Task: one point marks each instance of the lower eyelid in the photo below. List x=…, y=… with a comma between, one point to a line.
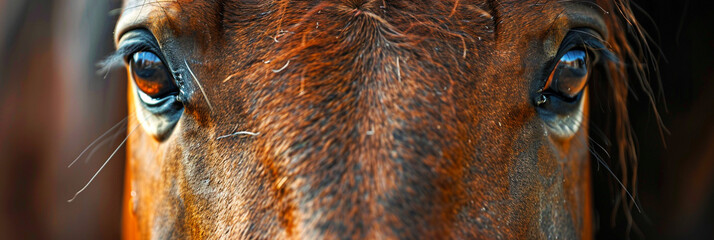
x=147, y=99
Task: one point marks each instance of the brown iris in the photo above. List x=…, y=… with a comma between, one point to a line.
x=570, y=75
x=151, y=75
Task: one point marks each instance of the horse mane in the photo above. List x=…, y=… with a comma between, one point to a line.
x=629, y=74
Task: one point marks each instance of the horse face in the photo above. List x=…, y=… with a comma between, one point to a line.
x=365, y=119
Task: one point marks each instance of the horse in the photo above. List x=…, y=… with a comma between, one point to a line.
x=376, y=119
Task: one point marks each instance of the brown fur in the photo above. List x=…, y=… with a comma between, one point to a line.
x=376, y=119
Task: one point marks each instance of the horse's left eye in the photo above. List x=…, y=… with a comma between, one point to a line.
x=156, y=95
x=151, y=75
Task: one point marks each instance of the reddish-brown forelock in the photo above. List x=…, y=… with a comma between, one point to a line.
x=361, y=118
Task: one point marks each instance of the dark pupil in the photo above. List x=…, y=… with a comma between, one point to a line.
x=570, y=74
x=150, y=75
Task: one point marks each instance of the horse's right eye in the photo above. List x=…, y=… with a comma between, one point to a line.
x=570, y=75
x=561, y=99
x=151, y=75
x=566, y=83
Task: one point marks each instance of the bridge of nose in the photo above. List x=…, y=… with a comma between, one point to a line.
x=352, y=117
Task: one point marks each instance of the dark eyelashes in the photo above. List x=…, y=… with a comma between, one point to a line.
x=131, y=42
x=588, y=41
x=603, y=52
x=118, y=58
x=585, y=40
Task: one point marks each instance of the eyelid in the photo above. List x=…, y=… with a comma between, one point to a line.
x=579, y=39
x=128, y=49
x=132, y=41
x=589, y=41
x=585, y=14
x=139, y=40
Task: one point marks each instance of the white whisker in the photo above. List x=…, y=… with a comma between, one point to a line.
x=199, y=85
x=238, y=133
x=104, y=164
x=282, y=68
x=399, y=73
x=96, y=140
x=602, y=162
x=104, y=142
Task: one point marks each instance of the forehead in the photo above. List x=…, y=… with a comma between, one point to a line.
x=170, y=17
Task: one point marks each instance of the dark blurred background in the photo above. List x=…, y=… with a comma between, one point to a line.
x=676, y=178
x=53, y=104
